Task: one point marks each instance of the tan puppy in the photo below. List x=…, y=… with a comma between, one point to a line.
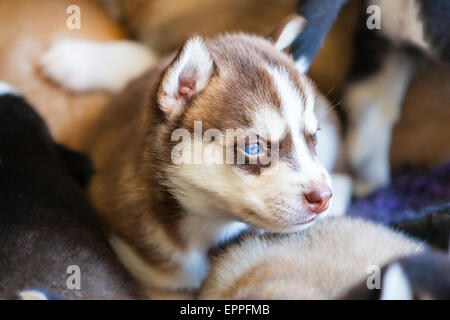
x=322, y=262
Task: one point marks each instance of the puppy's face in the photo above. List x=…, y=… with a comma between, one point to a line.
x=246, y=131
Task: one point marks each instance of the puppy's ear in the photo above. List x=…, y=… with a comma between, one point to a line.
x=187, y=75
x=285, y=34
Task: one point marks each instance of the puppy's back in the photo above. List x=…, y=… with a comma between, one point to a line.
x=318, y=263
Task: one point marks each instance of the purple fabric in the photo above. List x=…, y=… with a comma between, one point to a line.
x=412, y=194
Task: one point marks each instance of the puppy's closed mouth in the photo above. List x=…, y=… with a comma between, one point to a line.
x=305, y=222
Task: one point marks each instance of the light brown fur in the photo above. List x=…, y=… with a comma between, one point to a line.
x=319, y=263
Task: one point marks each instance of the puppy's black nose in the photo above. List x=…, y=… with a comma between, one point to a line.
x=318, y=199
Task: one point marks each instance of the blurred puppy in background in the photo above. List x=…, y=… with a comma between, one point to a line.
x=323, y=262
x=388, y=50
x=27, y=28
x=46, y=222
x=163, y=25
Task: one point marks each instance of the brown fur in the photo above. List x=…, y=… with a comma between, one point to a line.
x=165, y=24
x=136, y=188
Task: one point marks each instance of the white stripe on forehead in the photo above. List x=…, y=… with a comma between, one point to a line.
x=298, y=107
x=268, y=121
x=298, y=110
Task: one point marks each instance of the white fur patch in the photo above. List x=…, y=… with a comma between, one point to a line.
x=32, y=295
x=395, y=284
x=289, y=33
x=229, y=231
x=6, y=88
x=267, y=120
x=327, y=145
x=195, y=268
x=81, y=65
x=298, y=110
x=302, y=64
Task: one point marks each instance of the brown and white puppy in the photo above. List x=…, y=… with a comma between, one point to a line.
x=322, y=262
x=163, y=215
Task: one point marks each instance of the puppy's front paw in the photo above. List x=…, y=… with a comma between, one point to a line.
x=71, y=63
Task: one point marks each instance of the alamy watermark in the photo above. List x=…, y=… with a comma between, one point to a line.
x=373, y=277
x=374, y=20
x=73, y=21
x=213, y=146
x=73, y=282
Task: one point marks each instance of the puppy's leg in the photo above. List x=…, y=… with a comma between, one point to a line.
x=80, y=65
x=373, y=106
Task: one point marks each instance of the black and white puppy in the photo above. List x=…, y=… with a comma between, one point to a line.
x=48, y=237
x=424, y=276
x=393, y=38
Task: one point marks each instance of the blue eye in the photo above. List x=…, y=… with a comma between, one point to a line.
x=252, y=149
x=314, y=138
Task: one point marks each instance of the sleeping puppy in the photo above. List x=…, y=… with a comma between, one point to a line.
x=48, y=234
x=322, y=262
x=386, y=59
x=216, y=139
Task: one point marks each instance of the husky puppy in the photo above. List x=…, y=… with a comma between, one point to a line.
x=49, y=237
x=322, y=262
x=163, y=215
x=393, y=37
